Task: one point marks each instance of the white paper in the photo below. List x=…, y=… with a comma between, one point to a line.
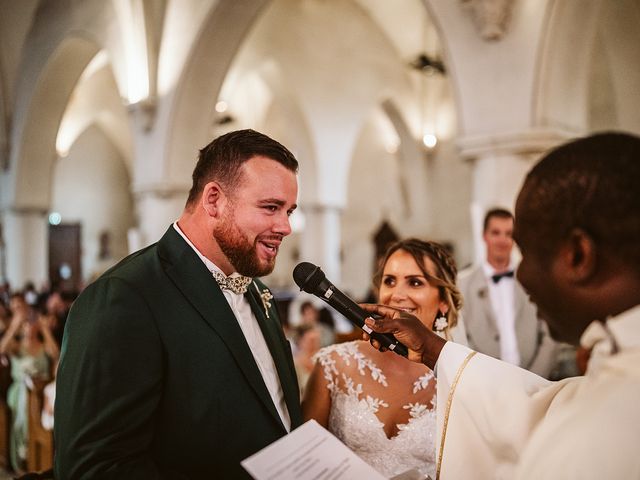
x=308, y=453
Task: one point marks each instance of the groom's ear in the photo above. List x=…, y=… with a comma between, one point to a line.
x=213, y=200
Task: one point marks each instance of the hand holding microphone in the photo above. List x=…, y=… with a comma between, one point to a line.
x=424, y=345
x=312, y=279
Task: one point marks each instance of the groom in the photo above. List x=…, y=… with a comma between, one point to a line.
x=174, y=364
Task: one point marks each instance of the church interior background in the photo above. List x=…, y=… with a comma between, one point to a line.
x=407, y=116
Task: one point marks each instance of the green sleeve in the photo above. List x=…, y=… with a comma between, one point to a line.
x=109, y=386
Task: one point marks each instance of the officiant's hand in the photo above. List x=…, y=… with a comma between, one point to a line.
x=424, y=345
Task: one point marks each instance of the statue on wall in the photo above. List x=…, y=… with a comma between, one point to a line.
x=491, y=17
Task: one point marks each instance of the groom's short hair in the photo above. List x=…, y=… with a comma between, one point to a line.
x=221, y=159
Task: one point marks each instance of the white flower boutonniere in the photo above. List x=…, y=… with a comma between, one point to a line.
x=266, y=298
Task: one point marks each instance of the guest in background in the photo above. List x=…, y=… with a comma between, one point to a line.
x=307, y=341
x=30, y=294
x=499, y=318
x=5, y=317
x=49, y=400
x=321, y=319
x=5, y=292
x=57, y=306
x=31, y=348
x=381, y=406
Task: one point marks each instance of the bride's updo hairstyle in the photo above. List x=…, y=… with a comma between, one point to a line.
x=445, y=274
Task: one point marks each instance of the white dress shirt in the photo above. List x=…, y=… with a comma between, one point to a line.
x=502, y=299
x=252, y=333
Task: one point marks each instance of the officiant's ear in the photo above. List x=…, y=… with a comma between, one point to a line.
x=578, y=256
x=213, y=199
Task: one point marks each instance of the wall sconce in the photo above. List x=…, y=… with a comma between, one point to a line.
x=428, y=65
x=429, y=140
x=429, y=144
x=223, y=118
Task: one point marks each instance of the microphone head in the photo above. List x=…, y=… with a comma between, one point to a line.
x=308, y=276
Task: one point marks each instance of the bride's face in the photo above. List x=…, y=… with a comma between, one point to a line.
x=404, y=286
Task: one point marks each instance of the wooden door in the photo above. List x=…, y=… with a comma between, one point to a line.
x=64, y=257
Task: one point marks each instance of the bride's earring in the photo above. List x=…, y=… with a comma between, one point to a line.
x=440, y=323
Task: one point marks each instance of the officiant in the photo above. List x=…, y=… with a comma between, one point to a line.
x=577, y=226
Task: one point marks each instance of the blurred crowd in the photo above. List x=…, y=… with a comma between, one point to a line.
x=31, y=330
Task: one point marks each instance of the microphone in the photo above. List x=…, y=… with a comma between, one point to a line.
x=312, y=279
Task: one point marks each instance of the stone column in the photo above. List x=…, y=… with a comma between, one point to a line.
x=26, y=237
x=320, y=239
x=500, y=164
x=157, y=207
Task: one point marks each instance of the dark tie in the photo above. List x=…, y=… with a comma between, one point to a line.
x=237, y=284
x=499, y=276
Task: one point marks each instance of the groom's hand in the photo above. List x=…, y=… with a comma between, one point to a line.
x=424, y=345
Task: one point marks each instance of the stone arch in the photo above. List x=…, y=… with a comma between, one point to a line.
x=567, y=60
x=91, y=185
x=38, y=115
x=412, y=164
x=563, y=66
x=621, y=38
x=302, y=141
x=203, y=75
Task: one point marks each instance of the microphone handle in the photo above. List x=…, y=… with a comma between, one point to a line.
x=357, y=315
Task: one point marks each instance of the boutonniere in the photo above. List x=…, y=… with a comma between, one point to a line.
x=266, y=298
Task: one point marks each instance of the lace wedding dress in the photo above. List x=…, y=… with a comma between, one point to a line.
x=359, y=390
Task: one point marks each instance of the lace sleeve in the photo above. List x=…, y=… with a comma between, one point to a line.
x=326, y=357
x=343, y=360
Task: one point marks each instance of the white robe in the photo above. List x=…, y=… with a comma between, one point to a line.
x=507, y=423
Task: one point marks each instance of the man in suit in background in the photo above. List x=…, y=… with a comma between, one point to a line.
x=174, y=363
x=499, y=319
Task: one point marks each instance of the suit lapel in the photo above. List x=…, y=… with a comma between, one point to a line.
x=482, y=290
x=271, y=330
x=196, y=283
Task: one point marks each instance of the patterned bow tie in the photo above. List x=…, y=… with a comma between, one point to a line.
x=499, y=276
x=237, y=284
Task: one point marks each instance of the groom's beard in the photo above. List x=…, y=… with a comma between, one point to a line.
x=240, y=251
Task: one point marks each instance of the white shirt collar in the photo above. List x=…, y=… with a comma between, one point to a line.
x=489, y=271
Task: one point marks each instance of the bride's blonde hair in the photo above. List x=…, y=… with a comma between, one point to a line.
x=445, y=273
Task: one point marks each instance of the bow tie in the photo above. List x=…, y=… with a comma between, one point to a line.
x=237, y=284
x=499, y=276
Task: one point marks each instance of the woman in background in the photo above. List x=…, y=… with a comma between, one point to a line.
x=32, y=350
x=380, y=405
x=307, y=342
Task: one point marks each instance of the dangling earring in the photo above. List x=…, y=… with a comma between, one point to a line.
x=440, y=323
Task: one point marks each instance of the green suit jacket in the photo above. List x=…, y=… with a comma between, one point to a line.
x=156, y=379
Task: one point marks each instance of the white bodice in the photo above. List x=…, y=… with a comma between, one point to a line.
x=355, y=403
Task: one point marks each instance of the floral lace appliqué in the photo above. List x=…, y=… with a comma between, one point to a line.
x=423, y=382
x=353, y=416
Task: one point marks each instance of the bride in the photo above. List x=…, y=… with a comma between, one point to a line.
x=380, y=405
